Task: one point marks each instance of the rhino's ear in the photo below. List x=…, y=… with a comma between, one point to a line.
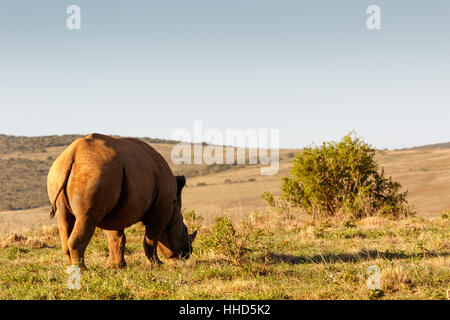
x=181, y=182
x=192, y=236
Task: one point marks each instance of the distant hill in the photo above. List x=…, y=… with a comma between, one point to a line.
x=432, y=146
x=11, y=144
x=24, y=163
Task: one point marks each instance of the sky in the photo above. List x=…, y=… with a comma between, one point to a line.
x=311, y=69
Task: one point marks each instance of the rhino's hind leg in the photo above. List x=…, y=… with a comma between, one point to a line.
x=66, y=222
x=79, y=239
x=116, y=244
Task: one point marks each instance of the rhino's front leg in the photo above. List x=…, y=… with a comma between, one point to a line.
x=151, y=244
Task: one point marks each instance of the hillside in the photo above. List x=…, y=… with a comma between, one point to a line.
x=24, y=164
x=26, y=145
x=425, y=173
x=433, y=146
x=25, y=161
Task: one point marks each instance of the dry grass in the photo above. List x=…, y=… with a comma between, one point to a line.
x=425, y=173
x=294, y=258
x=39, y=237
x=24, y=220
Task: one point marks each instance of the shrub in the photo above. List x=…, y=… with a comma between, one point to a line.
x=376, y=294
x=349, y=224
x=192, y=220
x=227, y=242
x=269, y=198
x=342, y=177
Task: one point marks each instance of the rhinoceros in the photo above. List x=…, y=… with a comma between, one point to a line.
x=113, y=183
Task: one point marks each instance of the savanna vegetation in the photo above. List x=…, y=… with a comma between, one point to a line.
x=276, y=253
x=307, y=243
x=343, y=178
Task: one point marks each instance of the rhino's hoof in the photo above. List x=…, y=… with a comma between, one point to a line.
x=117, y=266
x=156, y=262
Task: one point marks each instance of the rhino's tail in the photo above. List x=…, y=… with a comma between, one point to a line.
x=61, y=188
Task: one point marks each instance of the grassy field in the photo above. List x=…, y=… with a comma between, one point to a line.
x=23, y=221
x=274, y=255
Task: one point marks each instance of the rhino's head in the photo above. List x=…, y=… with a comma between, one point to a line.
x=176, y=242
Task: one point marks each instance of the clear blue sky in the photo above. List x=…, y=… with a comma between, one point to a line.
x=309, y=68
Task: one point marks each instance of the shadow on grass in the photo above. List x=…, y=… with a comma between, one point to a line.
x=362, y=255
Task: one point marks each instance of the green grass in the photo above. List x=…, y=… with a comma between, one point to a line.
x=286, y=259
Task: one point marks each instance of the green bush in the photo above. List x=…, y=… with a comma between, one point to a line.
x=376, y=294
x=192, y=220
x=342, y=177
x=227, y=242
x=269, y=198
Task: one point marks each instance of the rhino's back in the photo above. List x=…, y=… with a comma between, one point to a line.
x=145, y=173
x=115, y=178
